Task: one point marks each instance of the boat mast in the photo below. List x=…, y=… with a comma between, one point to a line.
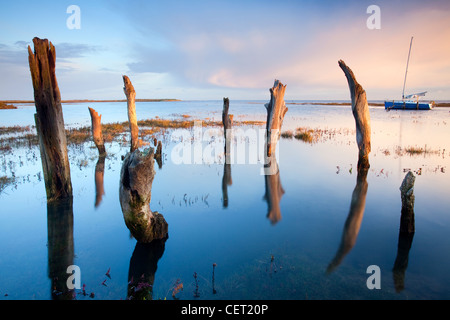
x=407, y=63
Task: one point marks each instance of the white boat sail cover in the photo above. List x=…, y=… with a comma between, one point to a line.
x=416, y=95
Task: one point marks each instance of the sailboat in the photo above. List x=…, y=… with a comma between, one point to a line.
x=409, y=102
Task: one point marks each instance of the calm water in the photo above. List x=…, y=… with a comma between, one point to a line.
x=220, y=215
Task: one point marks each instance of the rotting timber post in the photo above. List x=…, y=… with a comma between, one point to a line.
x=130, y=93
x=360, y=109
x=49, y=120
x=97, y=131
x=136, y=178
x=276, y=109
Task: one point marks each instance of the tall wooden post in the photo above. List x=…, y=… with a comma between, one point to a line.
x=360, y=109
x=49, y=120
x=276, y=109
x=131, y=105
x=97, y=131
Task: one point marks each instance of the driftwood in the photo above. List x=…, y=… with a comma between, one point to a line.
x=60, y=246
x=360, y=109
x=276, y=109
x=354, y=219
x=97, y=131
x=136, y=178
x=274, y=190
x=131, y=106
x=99, y=173
x=406, y=232
x=143, y=265
x=49, y=120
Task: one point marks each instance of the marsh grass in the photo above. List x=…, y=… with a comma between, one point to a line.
x=314, y=135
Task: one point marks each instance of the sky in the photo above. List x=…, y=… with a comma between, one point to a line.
x=207, y=50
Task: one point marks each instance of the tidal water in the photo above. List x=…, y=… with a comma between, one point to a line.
x=229, y=236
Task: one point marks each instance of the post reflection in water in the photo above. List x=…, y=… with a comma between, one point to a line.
x=60, y=246
x=274, y=189
x=99, y=173
x=143, y=265
x=354, y=219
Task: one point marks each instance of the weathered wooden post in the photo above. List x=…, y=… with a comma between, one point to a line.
x=360, y=109
x=276, y=109
x=136, y=178
x=354, y=219
x=406, y=232
x=49, y=120
x=227, y=121
x=407, y=224
x=97, y=131
x=131, y=105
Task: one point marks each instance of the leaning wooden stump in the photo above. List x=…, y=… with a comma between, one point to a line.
x=276, y=109
x=49, y=120
x=136, y=178
x=97, y=131
x=406, y=232
x=360, y=109
x=131, y=106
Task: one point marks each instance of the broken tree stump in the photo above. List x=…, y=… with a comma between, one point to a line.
x=406, y=232
x=407, y=193
x=360, y=109
x=97, y=134
x=276, y=109
x=136, y=178
x=131, y=106
x=49, y=120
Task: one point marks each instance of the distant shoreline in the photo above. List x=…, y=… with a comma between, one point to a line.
x=327, y=103
x=92, y=100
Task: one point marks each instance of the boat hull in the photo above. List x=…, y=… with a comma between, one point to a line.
x=407, y=105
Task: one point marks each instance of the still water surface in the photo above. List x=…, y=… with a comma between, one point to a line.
x=222, y=228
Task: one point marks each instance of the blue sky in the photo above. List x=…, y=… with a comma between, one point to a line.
x=215, y=49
